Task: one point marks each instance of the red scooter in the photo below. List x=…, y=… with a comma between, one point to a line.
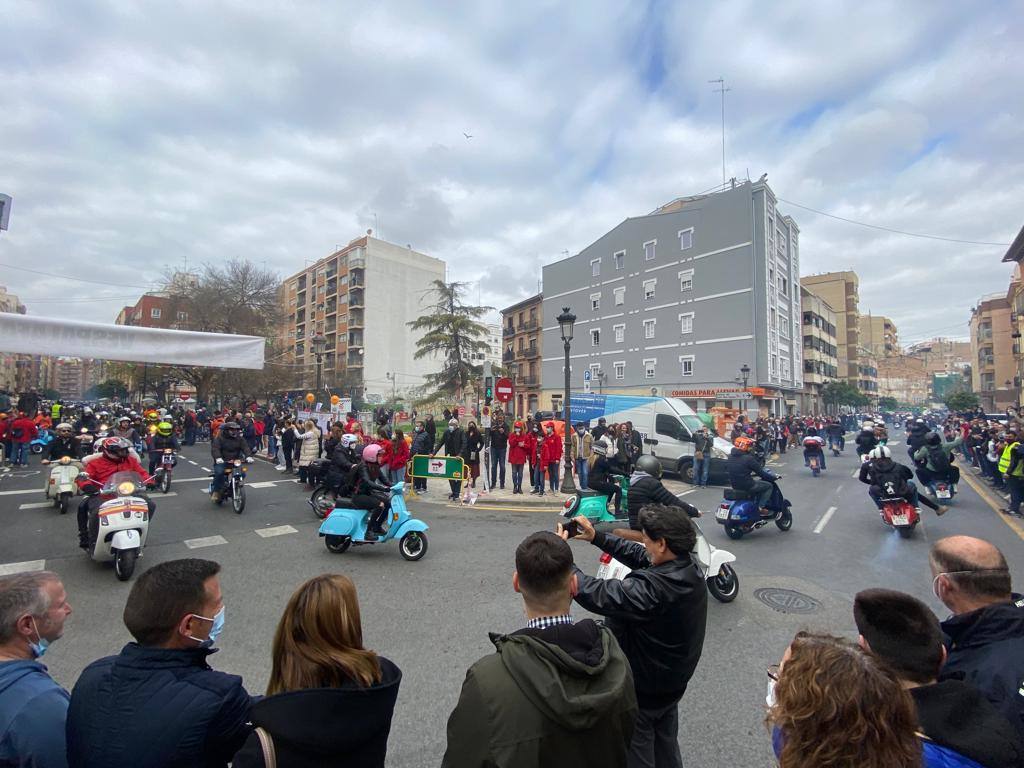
x=900, y=514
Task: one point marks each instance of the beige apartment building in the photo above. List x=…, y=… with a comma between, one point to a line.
x=878, y=335
x=994, y=369
x=1015, y=296
x=942, y=355
x=353, y=308
x=821, y=361
x=904, y=378
x=521, y=326
x=840, y=291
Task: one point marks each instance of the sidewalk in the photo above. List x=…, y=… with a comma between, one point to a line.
x=494, y=498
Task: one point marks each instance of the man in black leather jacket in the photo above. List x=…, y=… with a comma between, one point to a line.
x=226, y=446
x=658, y=613
x=646, y=488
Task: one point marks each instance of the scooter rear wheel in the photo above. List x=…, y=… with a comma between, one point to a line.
x=65, y=500
x=165, y=482
x=724, y=586
x=906, y=533
x=784, y=521
x=322, y=502
x=734, y=532
x=337, y=544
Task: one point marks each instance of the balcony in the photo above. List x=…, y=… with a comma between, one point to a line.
x=508, y=330
x=355, y=298
x=529, y=325
x=355, y=319
x=531, y=352
x=527, y=381
x=354, y=360
x=355, y=340
x=987, y=361
x=508, y=356
x=356, y=262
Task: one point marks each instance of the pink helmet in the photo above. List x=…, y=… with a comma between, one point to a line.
x=370, y=453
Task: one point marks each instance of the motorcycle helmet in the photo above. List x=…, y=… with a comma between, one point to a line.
x=230, y=429
x=880, y=452
x=743, y=442
x=811, y=432
x=115, y=448
x=123, y=419
x=868, y=425
x=164, y=429
x=370, y=453
x=349, y=440
x=64, y=428
x=650, y=465
x=87, y=410
x=599, y=449
x=933, y=438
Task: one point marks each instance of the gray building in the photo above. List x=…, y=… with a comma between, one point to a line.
x=675, y=303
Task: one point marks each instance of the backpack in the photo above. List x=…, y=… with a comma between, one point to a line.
x=891, y=481
x=939, y=458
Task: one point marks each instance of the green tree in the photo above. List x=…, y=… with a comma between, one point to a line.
x=961, y=401
x=452, y=331
x=108, y=388
x=887, y=403
x=837, y=393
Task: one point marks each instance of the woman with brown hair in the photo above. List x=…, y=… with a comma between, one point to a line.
x=329, y=700
x=832, y=704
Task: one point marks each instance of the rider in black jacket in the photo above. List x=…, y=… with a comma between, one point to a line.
x=370, y=493
x=64, y=444
x=866, y=440
x=742, y=465
x=645, y=488
x=227, y=446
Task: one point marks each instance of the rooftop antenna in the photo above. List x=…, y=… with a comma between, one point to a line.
x=722, y=90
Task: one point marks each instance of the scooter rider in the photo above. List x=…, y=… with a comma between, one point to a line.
x=890, y=479
x=115, y=456
x=87, y=421
x=646, y=488
x=228, y=445
x=741, y=465
x=934, y=460
x=162, y=439
x=814, y=445
x=64, y=444
x=835, y=433
x=866, y=439
x=916, y=436
x=370, y=493
x=343, y=461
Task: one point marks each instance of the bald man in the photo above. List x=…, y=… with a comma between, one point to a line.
x=985, y=634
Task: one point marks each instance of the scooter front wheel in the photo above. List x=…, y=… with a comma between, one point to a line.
x=238, y=500
x=165, y=482
x=413, y=545
x=124, y=563
x=724, y=586
x=65, y=500
x=784, y=521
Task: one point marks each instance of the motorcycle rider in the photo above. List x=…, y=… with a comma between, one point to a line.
x=835, y=433
x=87, y=421
x=228, y=445
x=160, y=440
x=934, y=460
x=371, y=493
x=814, y=445
x=741, y=465
x=916, y=435
x=115, y=456
x=867, y=441
x=344, y=460
x=64, y=444
x=645, y=487
x=125, y=429
x=890, y=479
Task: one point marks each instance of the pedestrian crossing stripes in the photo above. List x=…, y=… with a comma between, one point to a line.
x=205, y=541
x=7, y=569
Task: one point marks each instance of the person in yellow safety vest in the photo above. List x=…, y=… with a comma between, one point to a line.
x=55, y=410
x=1011, y=466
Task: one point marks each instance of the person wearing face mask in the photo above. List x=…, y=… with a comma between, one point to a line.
x=33, y=708
x=453, y=443
x=158, y=703
x=551, y=457
x=518, y=450
x=421, y=445
x=582, y=450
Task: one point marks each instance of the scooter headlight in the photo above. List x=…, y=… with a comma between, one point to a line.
x=65, y=459
x=126, y=488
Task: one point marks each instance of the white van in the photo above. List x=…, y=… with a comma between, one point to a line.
x=667, y=425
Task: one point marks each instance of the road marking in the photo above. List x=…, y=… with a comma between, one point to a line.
x=29, y=565
x=205, y=469
x=192, y=480
x=277, y=530
x=824, y=520
x=36, y=505
x=265, y=484
x=193, y=463
x=20, y=493
x=984, y=494
x=164, y=495
x=855, y=472
x=206, y=541
x=490, y=508
x=692, y=490
x=840, y=488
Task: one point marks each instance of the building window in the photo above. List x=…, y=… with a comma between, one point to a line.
x=649, y=367
x=620, y=370
x=620, y=296
x=619, y=259
x=182, y=316
x=649, y=250
x=686, y=365
x=685, y=239
x=595, y=301
x=649, y=329
x=686, y=280
x=649, y=289
x=784, y=286
x=774, y=365
x=595, y=337
x=620, y=333
x=154, y=313
x=595, y=267
x=785, y=367
x=686, y=323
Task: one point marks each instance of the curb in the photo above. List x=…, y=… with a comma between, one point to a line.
x=990, y=498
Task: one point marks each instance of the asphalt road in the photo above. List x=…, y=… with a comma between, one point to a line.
x=432, y=617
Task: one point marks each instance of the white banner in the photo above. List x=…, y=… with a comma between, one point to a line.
x=31, y=335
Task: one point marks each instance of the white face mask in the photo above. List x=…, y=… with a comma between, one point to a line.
x=769, y=698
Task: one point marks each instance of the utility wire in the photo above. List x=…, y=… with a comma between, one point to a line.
x=53, y=276
x=889, y=229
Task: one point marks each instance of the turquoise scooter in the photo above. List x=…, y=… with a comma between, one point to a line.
x=594, y=504
x=346, y=526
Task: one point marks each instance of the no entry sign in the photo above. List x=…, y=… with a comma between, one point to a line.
x=503, y=390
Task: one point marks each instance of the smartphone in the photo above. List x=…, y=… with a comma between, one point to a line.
x=573, y=528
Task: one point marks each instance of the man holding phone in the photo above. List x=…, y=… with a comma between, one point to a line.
x=658, y=613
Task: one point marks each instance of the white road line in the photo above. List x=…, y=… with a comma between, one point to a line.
x=855, y=472
x=824, y=520
x=205, y=469
x=193, y=463
x=840, y=488
x=20, y=493
x=36, y=505
x=192, y=480
x=264, y=484
x=692, y=490
x=206, y=541
x=29, y=565
x=277, y=530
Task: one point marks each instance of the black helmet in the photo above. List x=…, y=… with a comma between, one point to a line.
x=650, y=465
x=933, y=438
x=811, y=431
x=230, y=428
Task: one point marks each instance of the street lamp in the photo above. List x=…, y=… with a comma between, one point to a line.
x=565, y=323
x=319, y=343
x=745, y=373
x=393, y=378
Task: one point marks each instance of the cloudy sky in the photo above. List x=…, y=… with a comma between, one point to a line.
x=135, y=135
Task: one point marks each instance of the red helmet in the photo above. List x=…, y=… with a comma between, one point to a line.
x=115, y=448
x=743, y=443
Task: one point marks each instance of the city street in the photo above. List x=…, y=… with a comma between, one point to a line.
x=432, y=617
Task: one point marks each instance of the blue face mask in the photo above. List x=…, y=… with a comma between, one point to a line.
x=39, y=647
x=215, y=630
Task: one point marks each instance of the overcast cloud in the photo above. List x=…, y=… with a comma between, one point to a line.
x=134, y=135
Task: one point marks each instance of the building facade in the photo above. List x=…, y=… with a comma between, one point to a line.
x=521, y=352
x=492, y=354
x=677, y=302
x=1015, y=255
x=821, y=361
x=840, y=291
x=9, y=302
x=360, y=300
x=904, y=378
x=942, y=355
x=878, y=335
x=994, y=369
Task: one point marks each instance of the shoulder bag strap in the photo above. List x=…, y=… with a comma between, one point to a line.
x=267, y=744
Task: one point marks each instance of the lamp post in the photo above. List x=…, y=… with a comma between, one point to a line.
x=319, y=342
x=393, y=378
x=745, y=373
x=565, y=323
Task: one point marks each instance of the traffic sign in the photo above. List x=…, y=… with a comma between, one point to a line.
x=586, y=375
x=503, y=389
x=443, y=467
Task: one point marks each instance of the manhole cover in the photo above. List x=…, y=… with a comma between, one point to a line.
x=787, y=600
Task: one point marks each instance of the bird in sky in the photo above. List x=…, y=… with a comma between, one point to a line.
x=467, y=135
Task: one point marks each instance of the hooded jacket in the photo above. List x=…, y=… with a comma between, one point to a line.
x=644, y=490
x=322, y=727
x=866, y=441
x=33, y=709
x=879, y=472
x=986, y=648
x=741, y=465
x=549, y=698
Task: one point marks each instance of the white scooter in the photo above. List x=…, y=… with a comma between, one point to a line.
x=61, y=484
x=713, y=564
x=123, y=522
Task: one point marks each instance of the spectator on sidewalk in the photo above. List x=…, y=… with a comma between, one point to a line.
x=582, y=450
x=702, y=446
x=308, y=441
x=499, y=451
x=158, y=703
x=557, y=693
x=550, y=457
x=398, y=457
x=421, y=446
x=472, y=451
x=22, y=432
x=329, y=700
x=518, y=452
x=33, y=708
x=454, y=444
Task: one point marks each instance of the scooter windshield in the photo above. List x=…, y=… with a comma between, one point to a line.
x=119, y=482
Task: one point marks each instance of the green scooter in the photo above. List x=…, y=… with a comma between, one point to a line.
x=594, y=504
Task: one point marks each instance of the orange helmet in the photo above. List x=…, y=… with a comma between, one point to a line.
x=743, y=443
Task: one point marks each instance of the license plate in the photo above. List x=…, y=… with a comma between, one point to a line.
x=602, y=571
x=943, y=493
x=900, y=520
x=722, y=513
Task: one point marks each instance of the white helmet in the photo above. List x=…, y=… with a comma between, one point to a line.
x=880, y=452
x=868, y=425
x=348, y=440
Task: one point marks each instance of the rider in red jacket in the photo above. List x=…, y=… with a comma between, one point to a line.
x=115, y=456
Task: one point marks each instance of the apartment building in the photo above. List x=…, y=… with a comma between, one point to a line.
x=357, y=304
x=152, y=310
x=72, y=377
x=941, y=355
x=878, y=335
x=904, y=378
x=821, y=361
x=680, y=301
x=9, y=302
x=840, y=291
x=994, y=370
x=1015, y=295
x=521, y=353
x=492, y=354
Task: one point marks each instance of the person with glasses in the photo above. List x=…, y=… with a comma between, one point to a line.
x=985, y=634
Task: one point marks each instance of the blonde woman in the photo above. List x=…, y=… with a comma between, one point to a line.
x=309, y=439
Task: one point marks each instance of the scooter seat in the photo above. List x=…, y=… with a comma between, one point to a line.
x=732, y=494
x=588, y=492
x=344, y=502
